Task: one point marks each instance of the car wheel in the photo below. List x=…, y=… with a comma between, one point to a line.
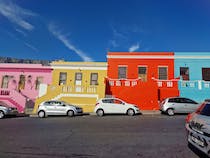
x=1, y=114
x=100, y=112
x=70, y=113
x=130, y=112
x=170, y=112
x=41, y=114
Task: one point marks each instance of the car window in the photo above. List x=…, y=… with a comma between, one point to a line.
x=107, y=100
x=205, y=110
x=174, y=100
x=189, y=101
x=49, y=103
x=116, y=101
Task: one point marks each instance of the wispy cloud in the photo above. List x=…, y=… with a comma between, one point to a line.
x=134, y=47
x=21, y=32
x=118, y=34
x=31, y=46
x=16, y=14
x=63, y=38
x=12, y=35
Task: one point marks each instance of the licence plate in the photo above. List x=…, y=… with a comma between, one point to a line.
x=197, y=141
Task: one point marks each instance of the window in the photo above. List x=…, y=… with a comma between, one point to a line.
x=62, y=78
x=162, y=73
x=39, y=80
x=21, y=84
x=122, y=72
x=94, y=79
x=205, y=110
x=116, y=101
x=174, y=100
x=5, y=81
x=206, y=74
x=78, y=78
x=184, y=72
x=142, y=73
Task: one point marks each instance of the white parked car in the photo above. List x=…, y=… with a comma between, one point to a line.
x=54, y=107
x=115, y=106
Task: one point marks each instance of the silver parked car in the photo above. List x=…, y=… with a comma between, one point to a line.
x=198, y=128
x=5, y=111
x=54, y=107
x=174, y=105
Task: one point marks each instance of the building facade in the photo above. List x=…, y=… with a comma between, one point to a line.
x=141, y=78
x=193, y=68
x=20, y=84
x=78, y=83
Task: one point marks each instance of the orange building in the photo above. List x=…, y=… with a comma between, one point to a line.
x=141, y=78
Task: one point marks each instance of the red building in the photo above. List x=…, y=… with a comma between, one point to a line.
x=141, y=78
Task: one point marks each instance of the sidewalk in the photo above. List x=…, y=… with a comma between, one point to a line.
x=150, y=112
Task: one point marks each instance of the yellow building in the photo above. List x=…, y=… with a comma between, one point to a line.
x=78, y=83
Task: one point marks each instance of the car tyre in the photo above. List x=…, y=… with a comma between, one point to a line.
x=2, y=114
x=170, y=112
x=130, y=112
x=100, y=112
x=70, y=113
x=41, y=114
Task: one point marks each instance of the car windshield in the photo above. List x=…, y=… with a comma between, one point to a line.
x=205, y=110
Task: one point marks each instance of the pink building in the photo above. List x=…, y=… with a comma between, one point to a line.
x=20, y=84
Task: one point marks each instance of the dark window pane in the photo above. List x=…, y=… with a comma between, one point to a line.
x=206, y=110
x=206, y=74
x=122, y=72
x=163, y=73
x=184, y=72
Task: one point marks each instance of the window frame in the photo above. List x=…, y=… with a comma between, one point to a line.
x=61, y=80
x=186, y=75
x=93, y=82
x=144, y=79
x=126, y=71
x=166, y=72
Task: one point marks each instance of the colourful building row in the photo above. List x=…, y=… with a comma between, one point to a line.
x=142, y=78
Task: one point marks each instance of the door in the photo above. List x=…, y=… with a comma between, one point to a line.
x=177, y=104
x=107, y=105
x=50, y=108
x=118, y=106
x=60, y=108
x=190, y=105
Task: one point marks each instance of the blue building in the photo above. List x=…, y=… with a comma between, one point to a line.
x=194, y=72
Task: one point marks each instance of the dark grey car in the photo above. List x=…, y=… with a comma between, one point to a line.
x=5, y=111
x=174, y=105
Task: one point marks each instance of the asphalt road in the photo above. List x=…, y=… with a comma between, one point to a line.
x=143, y=136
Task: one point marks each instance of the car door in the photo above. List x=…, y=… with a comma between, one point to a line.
x=50, y=107
x=190, y=105
x=106, y=105
x=118, y=106
x=184, y=106
x=177, y=105
x=60, y=108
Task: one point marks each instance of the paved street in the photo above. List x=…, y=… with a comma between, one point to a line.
x=143, y=136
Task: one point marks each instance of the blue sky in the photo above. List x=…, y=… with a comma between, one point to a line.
x=85, y=30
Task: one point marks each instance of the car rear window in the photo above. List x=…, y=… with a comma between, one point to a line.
x=107, y=100
x=205, y=110
x=174, y=100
